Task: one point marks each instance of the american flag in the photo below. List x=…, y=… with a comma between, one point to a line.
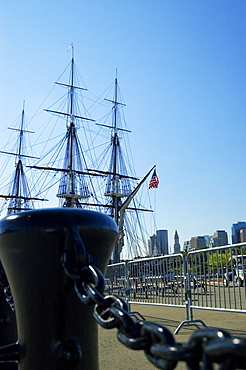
x=154, y=182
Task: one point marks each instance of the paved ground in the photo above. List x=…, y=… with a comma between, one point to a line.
x=113, y=355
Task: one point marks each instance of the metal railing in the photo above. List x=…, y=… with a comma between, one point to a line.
x=218, y=278
x=157, y=280
x=211, y=278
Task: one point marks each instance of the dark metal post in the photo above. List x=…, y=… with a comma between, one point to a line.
x=8, y=329
x=53, y=326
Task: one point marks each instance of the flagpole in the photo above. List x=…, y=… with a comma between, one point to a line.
x=155, y=209
x=154, y=182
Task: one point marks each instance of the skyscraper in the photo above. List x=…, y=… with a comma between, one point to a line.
x=163, y=241
x=243, y=235
x=235, y=231
x=153, y=245
x=158, y=243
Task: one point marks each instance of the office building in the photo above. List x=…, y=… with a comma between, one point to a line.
x=163, y=241
x=219, y=238
x=153, y=245
x=207, y=239
x=243, y=235
x=186, y=245
x=158, y=243
x=235, y=231
x=197, y=242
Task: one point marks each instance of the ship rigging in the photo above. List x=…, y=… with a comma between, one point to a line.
x=18, y=195
x=75, y=170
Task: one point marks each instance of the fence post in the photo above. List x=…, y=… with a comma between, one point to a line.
x=188, y=300
x=187, y=287
x=127, y=285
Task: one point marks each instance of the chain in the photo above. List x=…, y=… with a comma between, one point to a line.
x=205, y=348
x=6, y=288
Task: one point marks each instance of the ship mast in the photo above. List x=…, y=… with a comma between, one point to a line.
x=19, y=198
x=114, y=188
x=73, y=186
x=118, y=186
x=67, y=188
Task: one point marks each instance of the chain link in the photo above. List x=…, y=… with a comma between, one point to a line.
x=205, y=348
x=6, y=288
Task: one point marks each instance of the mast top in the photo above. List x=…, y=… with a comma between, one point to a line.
x=71, y=47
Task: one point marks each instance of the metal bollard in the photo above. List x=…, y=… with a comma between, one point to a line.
x=55, y=331
x=8, y=329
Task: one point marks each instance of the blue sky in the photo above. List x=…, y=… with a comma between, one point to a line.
x=181, y=70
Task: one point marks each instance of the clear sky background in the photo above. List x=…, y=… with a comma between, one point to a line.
x=181, y=70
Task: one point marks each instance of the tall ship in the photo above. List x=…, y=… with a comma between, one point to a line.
x=84, y=166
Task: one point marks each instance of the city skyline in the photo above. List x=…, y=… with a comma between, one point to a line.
x=239, y=227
